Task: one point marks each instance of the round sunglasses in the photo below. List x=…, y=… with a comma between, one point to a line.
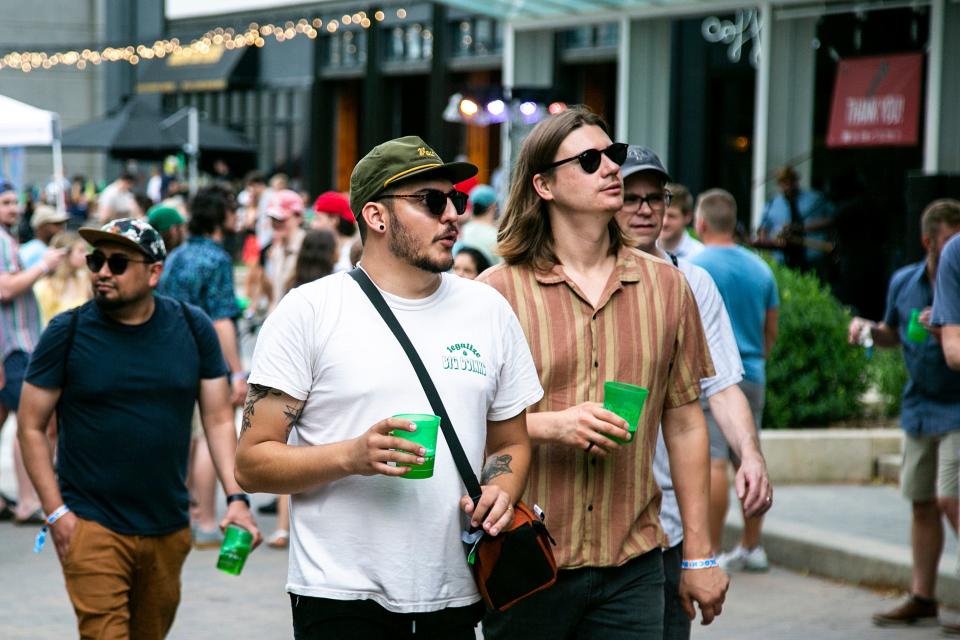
x=436, y=201
x=590, y=159
x=117, y=262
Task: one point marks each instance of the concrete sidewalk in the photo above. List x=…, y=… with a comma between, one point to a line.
x=855, y=533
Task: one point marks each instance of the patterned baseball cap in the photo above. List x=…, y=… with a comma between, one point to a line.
x=132, y=233
x=642, y=159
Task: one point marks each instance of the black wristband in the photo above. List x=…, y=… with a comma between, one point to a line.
x=242, y=497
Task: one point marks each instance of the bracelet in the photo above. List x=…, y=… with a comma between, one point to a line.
x=238, y=376
x=707, y=563
x=238, y=497
x=58, y=513
x=41, y=538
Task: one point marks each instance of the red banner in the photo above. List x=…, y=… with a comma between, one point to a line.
x=876, y=102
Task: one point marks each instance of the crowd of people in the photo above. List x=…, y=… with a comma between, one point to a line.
x=598, y=266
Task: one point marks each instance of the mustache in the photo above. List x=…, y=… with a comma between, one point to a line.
x=449, y=232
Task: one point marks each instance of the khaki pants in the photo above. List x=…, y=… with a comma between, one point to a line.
x=124, y=586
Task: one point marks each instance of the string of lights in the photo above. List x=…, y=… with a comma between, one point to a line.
x=256, y=35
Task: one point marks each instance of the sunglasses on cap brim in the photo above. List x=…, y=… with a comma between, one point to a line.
x=435, y=200
x=590, y=159
x=118, y=262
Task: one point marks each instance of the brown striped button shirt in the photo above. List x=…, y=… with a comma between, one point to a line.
x=645, y=330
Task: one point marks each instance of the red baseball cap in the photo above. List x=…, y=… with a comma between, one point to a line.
x=333, y=203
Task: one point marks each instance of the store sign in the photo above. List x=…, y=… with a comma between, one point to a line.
x=876, y=102
x=736, y=34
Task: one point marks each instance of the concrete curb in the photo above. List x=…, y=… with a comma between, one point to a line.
x=853, y=559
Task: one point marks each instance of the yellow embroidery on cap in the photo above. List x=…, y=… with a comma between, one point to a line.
x=423, y=151
x=411, y=170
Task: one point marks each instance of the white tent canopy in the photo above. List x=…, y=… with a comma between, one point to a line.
x=22, y=125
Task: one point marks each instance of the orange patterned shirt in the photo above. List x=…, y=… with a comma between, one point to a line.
x=645, y=330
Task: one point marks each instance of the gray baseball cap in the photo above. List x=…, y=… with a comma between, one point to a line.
x=642, y=159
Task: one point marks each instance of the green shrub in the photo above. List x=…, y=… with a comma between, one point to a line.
x=888, y=374
x=813, y=376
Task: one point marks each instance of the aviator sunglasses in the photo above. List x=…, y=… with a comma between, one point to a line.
x=436, y=201
x=117, y=262
x=590, y=159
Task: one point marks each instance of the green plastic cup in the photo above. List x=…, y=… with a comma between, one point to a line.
x=625, y=400
x=916, y=332
x=425, y=436
x=237, y=542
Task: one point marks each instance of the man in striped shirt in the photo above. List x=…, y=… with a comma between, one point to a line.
x=593, y=309
x=20, y=328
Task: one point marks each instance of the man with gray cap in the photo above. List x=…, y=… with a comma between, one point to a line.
x=374, y=554
x=123, y=373
x=646, y=203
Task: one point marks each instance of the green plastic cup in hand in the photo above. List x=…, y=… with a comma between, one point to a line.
x=916, y=332
x=237, y=542
x=625, y=400
x=425, y=436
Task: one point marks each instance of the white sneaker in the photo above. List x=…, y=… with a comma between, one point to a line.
x=740, y=559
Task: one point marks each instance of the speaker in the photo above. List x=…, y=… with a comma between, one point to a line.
x=921, y=190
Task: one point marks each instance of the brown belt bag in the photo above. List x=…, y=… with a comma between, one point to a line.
x=519, y=561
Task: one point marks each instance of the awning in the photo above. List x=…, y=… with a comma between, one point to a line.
x=216, y=69
x=23, y=125
x=519, y=10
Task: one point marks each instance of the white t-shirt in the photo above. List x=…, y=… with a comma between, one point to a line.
x=391, y=540
x=688, y=247
x=729, y=371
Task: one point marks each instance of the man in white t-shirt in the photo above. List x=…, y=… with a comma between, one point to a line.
x=373, y=554
x=644, y=181
x=674, y=237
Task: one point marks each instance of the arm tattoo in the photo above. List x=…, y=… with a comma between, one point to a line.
x=495, y=466
x=292, y=413
x=255, y=394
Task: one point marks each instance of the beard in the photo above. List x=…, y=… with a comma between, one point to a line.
x=404, y=245
x=108, y=304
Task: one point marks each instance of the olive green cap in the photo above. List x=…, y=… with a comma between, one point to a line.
x=395, y=161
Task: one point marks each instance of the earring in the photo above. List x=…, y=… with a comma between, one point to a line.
x=382, y=227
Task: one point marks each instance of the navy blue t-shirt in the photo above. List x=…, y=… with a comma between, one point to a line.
x=126, y=411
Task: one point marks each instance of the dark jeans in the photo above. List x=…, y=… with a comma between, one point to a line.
x=321, y=618
x=676, y=624
x=602, y=603
x=14, y=369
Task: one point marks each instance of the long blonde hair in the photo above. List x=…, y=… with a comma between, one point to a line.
x=525, y=236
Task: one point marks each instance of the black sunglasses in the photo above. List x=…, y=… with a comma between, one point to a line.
x=436, y=201
x=590, y=159
x=117, y=262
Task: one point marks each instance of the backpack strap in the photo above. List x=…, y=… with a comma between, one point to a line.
x=71, y=334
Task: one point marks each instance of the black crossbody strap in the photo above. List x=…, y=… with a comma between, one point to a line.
x=453, y=442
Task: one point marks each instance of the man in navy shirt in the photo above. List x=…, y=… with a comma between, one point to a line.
x=946, y=302
x=123, y=373
x=930, y=414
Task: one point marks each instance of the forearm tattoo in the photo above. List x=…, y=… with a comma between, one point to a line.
x=495, y=466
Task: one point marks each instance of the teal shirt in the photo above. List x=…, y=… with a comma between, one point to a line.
x=749, y=290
